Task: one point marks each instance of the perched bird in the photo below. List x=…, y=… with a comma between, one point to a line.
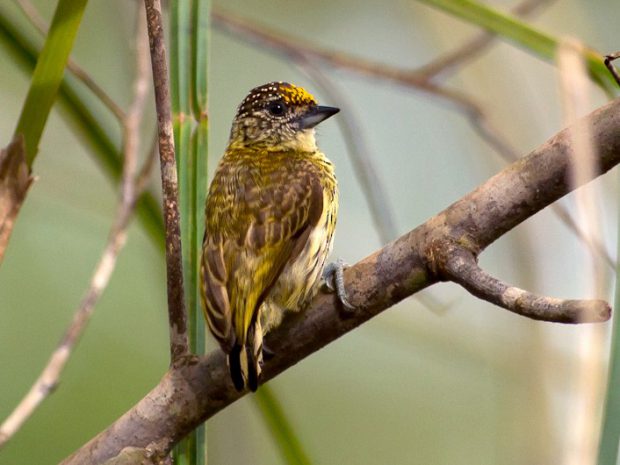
x=270, y=217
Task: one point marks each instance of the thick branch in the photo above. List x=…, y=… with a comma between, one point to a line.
x=196, y=389
x=177, y=315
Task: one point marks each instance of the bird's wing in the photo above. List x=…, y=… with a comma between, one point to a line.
x=253, y=231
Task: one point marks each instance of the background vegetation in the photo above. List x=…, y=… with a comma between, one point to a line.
x=459, y=383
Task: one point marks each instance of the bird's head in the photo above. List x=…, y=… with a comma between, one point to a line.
x=278, y=116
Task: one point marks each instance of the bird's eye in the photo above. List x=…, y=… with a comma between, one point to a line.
x=276, y=108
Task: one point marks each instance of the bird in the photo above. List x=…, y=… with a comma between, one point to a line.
x=270, y=216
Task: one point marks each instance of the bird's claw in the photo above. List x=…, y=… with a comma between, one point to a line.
x=333, y=280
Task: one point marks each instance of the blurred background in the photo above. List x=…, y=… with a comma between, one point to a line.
x=448, y=380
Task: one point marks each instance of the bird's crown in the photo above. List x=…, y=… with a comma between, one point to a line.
x=288, y=94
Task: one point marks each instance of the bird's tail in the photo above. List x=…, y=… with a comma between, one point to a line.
x=245, y=361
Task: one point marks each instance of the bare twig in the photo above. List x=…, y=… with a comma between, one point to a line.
x=30, y=11
x=177, y=314
x=193, y=391
x=297, y=49
x=451, y=61
x=612, y=69
x=50, y=375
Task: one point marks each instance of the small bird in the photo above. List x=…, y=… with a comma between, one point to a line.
x=270, y=217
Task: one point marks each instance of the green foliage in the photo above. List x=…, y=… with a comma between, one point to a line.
x=282, y=432
x=608, y=448
x=188, y=72
x=48, y=73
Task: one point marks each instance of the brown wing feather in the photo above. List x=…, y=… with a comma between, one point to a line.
x=254, y=228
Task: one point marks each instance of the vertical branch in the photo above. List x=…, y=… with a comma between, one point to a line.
x=179, y=345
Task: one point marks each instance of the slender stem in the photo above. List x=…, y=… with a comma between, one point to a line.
x=612, y=69
x=177, y=314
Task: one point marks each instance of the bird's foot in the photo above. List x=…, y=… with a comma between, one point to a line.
x=333, y=281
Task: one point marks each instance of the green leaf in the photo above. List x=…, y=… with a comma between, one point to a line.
x=188, y=69
x=608, y=448
x=200, y=58
x=48, y=73
x=282, y=431
x=522, y=34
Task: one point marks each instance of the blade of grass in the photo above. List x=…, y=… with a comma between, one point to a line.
x=281, y=429
x=201, y=23
x=200, y=147
x=608, y=451
x=48, y=73
x=87, y=123
x=528, y=37
x=190, y=451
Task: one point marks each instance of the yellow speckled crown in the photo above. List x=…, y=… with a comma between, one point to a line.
x=294, y=95
x=288, y=93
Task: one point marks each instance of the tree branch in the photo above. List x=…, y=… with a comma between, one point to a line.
x=177, y=314
x=195, y=389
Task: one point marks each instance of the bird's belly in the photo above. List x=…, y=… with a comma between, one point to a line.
x=299, y=280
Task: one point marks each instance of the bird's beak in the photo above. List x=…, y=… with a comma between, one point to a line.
x=316, y=115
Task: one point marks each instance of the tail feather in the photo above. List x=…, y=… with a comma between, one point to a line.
x=245, y=362
x=234, y=365
x=253, y=369
x=254, y=354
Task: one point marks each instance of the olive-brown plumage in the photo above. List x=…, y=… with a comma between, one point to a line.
x=270, y=217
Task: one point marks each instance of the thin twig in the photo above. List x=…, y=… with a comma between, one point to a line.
x=32, y=14
x=50, y=375
x=612, y=69
x=177, y=314
x=297, y=49
x=449, y=62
